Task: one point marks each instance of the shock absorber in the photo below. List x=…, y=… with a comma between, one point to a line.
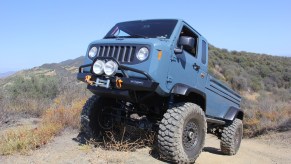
x=171, y=101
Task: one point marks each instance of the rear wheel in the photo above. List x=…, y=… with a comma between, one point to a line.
x=231, y=137
x=182, y=133
x=95, y=116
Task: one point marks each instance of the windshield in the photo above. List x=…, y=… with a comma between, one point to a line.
x=143, y=29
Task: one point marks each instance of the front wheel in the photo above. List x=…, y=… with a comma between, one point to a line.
x=231, y=137
x=182, y=133
x=95, y=116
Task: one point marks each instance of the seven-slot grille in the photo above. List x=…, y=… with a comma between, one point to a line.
x=120, y=53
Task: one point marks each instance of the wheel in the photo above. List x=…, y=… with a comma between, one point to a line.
x=182, y=133
x=231, y=137
x=95, y=117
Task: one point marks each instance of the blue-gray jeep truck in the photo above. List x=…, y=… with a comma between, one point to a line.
x=153, y=74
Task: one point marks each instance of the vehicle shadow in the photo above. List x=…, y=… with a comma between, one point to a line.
x=81, y=139
x=154, y=152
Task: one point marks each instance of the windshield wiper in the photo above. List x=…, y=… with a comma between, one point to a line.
x=109, y=37
x=137, y=36
x=130, y=36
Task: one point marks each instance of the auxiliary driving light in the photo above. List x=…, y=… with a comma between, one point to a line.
x=98, y=67
x=110, y=68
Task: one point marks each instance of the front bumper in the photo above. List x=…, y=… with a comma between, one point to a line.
x=135, y=84
x=117, y=86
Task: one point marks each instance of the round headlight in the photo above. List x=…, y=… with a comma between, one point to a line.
x=142, y=54
x=93, y=52
x=110, y=68
x=98, y=67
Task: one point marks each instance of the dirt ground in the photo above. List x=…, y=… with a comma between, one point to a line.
x=273, y=148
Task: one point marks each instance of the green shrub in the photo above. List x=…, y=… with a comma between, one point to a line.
x=33, y=87
x=29, y=95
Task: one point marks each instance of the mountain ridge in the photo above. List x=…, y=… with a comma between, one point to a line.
x=6, y=74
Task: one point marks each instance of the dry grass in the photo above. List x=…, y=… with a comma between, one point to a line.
x=126, y=139
x=53, y=122
x=24, y=139
x=24, y=107
x=3, y=116
x=67, y=116
x=251, y=96
x=267, y=115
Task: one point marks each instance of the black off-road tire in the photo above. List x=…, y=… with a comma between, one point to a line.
x=182, y=133
x=231, y=137
x=91, y=116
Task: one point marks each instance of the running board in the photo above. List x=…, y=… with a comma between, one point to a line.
x=215, y=121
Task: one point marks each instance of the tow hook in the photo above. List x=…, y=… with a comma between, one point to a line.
x=119, y=83
x=88, y=80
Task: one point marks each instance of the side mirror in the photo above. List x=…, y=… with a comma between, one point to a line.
x=186, y=41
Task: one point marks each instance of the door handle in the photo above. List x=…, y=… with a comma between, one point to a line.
x=196, y=67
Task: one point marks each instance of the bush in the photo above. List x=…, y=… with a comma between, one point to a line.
x=29, y=95
x=265, y=115
x=255, y=84
x=67, y=117
x=24, y=139
x=35, y=87
x=239, y=82
x=53, y=122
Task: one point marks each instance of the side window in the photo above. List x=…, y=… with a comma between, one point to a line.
x=203, y=52
x=187, y=32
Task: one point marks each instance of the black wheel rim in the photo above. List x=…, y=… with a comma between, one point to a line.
x=105, y=120
x=190, y=135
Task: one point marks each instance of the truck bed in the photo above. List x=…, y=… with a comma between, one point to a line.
x=220, y=98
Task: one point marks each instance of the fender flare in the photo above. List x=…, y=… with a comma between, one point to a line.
x=233, y=113
x=185, y=90
x=182, y=89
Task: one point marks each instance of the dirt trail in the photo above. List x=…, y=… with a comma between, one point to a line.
x=63, y=149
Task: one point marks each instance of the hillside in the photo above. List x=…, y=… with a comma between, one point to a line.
x=29, y=92
x=250, y=71
x=263, y=80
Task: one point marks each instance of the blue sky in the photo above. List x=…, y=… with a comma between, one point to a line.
x=34, y=32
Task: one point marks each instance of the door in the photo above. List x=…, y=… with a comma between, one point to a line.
x=203, y=66
x=184, y=67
